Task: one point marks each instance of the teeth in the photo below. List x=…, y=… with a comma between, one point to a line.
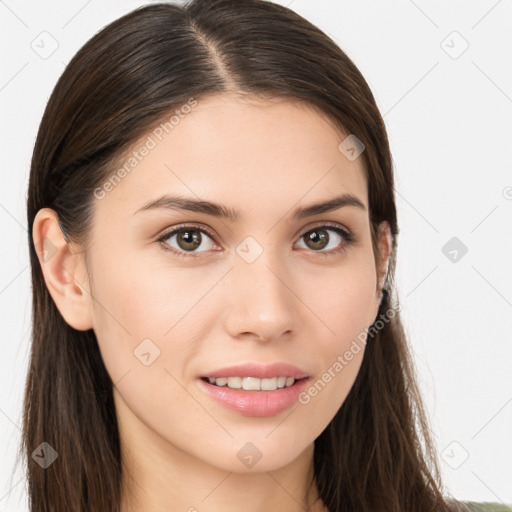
x=253, y=383
x=234, y=382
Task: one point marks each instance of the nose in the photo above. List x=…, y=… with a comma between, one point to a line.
x=261, y=304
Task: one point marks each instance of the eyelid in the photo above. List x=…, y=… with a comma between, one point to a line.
x=327, y=224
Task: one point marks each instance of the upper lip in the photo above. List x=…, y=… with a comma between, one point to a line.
x=261, y=371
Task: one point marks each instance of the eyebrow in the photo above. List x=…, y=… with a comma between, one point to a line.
x=223, y=212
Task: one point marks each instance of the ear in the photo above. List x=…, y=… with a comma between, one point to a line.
x=64, y=270
x=385, y=245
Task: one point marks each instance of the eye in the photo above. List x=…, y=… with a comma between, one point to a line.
x=188, y=238
x=318, y=239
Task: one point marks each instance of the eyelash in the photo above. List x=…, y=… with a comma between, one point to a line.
x=348, y=237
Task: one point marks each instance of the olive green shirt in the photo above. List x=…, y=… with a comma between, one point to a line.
x=485, y=507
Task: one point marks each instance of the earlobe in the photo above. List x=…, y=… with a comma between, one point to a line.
x=63, y=269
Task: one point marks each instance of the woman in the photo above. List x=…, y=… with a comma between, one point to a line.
x=213, y=243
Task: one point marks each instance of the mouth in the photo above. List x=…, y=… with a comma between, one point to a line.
x=255, y=390
x=253, y=396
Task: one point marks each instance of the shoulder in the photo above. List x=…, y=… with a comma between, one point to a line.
x=471, y=506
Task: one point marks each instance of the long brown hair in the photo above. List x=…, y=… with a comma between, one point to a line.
x=376, y=454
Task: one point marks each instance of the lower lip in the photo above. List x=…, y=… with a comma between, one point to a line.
x=255, y=403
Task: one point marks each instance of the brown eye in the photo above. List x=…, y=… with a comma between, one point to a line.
x=187, y=240
x=318, y=239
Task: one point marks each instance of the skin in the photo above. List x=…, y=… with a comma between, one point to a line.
x=292, y=304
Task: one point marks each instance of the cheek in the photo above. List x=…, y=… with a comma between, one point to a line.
x=342, y=299
x=345, y=309
x=125, y=308
x=132, y=294
x=146, y=307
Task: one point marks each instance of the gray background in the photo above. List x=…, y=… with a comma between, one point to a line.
x=448, y=112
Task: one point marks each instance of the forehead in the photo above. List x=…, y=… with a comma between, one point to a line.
x=247, y=153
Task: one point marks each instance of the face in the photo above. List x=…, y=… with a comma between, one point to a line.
x=181, y=297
